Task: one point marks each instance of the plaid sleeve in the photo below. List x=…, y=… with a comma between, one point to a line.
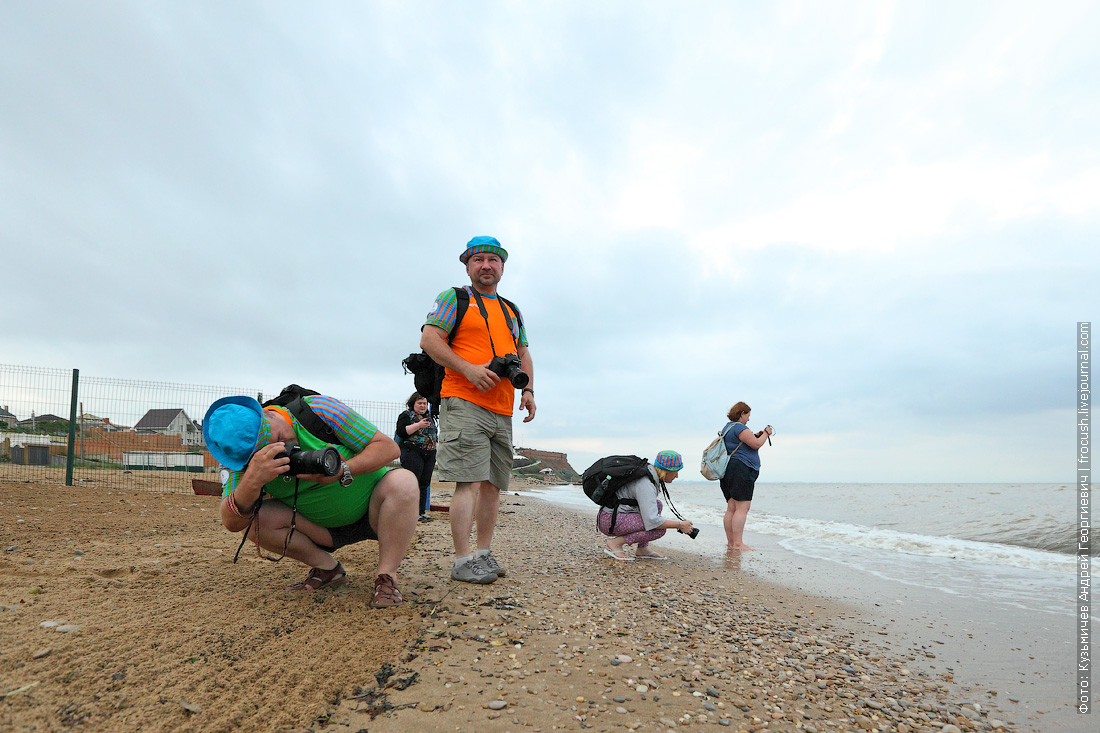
x=354, y=430
x=443, y=312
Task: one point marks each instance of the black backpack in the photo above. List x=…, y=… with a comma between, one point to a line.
x=291, y=399
x=427, y=375
x=606, y=476
x=602, y=480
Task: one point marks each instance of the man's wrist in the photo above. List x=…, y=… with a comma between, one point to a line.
x=527, y=389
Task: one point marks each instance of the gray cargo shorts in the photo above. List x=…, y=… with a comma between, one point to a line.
x=474, y=444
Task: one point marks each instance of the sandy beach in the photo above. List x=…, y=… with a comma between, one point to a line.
x=123, y=611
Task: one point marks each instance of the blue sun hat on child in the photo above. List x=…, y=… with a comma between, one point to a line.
x=231, y=429
x=669, y=460
x=483, y=244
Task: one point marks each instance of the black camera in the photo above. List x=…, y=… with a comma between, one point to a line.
x=692, y=534
x=325, y=461
x=510, y=368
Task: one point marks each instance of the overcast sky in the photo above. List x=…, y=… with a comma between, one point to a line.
x=874, y=222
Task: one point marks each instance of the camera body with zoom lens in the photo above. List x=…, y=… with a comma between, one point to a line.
x=511, y=369
x=325, y=461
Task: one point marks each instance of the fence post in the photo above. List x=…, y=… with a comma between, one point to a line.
x=72, y=430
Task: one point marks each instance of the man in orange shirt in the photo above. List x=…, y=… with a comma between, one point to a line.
x=475, y=423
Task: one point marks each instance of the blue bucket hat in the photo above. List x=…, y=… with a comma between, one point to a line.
x=231, y=428
x=483, y=244
x=669, y=460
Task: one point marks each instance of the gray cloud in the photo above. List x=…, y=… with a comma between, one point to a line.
x=280, y=194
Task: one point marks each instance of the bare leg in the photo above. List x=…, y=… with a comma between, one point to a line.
x=727, y=521
x=393, y=513
x=735, y=533
x=463, y=505
x=270, y=529
x=617, y=545
x=488, y=506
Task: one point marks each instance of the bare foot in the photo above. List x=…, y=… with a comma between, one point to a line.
x=738, y=547
x=619, y=553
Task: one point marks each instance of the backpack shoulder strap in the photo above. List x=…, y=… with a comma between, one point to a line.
x=309, y=420
x=508, y=318
x=463, y=298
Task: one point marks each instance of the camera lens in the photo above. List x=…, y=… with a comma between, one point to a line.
x=330, y=461
x=325, y=461
x=519, y=378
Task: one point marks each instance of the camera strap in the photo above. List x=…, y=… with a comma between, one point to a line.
x=664, y=490
x=485, y=315
x=256, y=513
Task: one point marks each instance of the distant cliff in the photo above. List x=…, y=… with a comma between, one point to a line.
x=536, y=463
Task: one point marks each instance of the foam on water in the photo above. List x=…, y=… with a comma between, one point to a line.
x=988, y=572
x=873, y=538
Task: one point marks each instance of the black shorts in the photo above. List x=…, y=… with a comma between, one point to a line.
x=739, y=481
x=349, y=534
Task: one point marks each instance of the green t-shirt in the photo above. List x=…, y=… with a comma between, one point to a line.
x=328, y=505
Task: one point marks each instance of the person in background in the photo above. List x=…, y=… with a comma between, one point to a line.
x=418, y=433
x=743, y=468
x=642, y=522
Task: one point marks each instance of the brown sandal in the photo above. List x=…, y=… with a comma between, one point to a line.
x=386, y=594
x=318, y=579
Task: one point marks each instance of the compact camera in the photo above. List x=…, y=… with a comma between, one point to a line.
x=325, y=461
x=511, y=369
x=692, y=534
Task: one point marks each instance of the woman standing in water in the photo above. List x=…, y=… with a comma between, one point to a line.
x=741, y=472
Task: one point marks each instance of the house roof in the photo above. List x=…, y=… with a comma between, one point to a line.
x=4, y=413
x=158, y=419
x=43, y=418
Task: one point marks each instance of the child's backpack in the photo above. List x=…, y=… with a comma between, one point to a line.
x=427, y=375
x=715, y=457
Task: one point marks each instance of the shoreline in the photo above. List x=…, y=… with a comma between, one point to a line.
x=571, y=639
x=172, y=636
x=1020, y=655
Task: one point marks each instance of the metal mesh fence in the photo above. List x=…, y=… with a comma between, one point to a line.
x=124, y=433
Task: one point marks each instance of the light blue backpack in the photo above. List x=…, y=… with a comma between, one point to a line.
x=715, y=457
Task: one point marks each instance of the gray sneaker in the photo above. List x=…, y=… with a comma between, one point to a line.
x=472, y=571
x=489, y=562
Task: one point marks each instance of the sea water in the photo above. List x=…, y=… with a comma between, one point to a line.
x=1007, y=544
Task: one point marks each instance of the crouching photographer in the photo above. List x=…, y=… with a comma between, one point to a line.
x=306, y=475
x=637, y=519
